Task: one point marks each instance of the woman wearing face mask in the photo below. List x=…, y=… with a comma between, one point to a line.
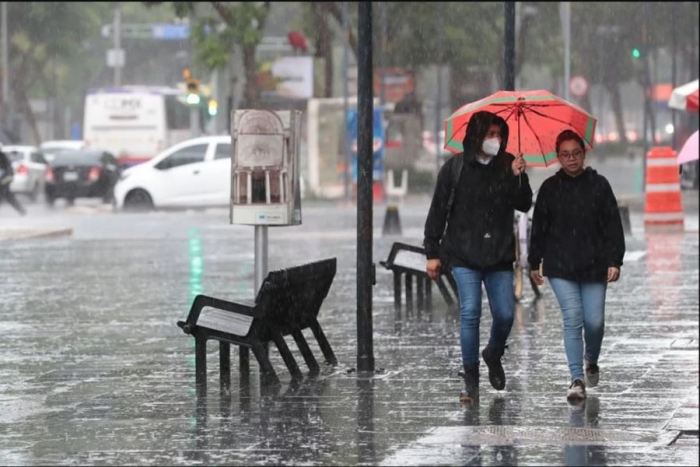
x=578, y=238
x=479, y=239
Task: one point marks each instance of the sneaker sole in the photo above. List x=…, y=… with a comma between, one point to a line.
x=575, y=395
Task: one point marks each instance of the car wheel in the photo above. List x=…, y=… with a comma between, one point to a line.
x=70, y=201
x=138, y=201
x=50, y=200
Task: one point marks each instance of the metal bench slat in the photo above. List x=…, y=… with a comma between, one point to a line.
x=225, y=321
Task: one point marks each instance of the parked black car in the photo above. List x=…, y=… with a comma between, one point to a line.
x=85, y=173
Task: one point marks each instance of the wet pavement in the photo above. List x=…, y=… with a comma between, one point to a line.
x=95, y=371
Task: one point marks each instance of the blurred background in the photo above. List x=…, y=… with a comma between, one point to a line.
x=207, y=58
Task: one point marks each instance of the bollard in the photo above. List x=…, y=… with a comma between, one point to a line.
x=392, y=222
x=625, y=218
x=663, y=205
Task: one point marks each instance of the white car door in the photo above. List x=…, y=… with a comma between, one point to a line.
x=178, y=177
x=217, y=174
x=37, y=168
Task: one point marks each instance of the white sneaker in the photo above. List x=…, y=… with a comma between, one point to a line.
x=577, y=390
x=592, y=374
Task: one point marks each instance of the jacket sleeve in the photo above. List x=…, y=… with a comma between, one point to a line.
x=613, y=232
x=522, y=192
x=437, y=215
x=540, y=228
x=518, y=187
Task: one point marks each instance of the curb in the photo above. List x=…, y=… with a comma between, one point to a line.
x=29, y=234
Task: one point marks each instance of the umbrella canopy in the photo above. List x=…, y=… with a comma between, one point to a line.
x=685, y=97
x=534, y=118
x=690, y=150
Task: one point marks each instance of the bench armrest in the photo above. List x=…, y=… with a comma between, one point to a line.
x=201, y=301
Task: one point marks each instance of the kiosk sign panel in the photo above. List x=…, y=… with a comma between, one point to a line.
x=265, y=167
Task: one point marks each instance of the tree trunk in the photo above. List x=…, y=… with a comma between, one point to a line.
x=334, y=8
x=323, y=43
x=616, y=102
x=29, y=115
x=250, y=93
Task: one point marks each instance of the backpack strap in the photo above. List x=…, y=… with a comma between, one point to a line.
x=456, y=172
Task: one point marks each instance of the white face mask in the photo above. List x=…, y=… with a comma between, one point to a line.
x=491, y=146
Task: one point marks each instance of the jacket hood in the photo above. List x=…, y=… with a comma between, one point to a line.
x=477, y=128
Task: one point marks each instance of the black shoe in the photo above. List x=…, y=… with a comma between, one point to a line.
x=577, y=391
x=497, y=376
x=471, y=383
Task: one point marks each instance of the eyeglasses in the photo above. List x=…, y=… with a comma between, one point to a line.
x=576, y=154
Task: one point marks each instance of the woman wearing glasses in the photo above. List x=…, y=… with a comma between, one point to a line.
x=578, y=240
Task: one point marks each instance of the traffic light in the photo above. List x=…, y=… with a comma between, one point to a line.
x=636, y=53
x=213, y=108
x=192, y=85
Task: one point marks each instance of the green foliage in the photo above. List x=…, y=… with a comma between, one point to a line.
x=220, y=26
x=459, y=34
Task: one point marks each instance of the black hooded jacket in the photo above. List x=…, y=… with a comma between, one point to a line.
x=577, y=232
x=479, y=231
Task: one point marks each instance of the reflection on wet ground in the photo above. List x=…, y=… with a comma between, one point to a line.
x=94, y=370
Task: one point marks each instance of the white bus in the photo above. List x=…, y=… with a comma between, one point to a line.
x=135, y=123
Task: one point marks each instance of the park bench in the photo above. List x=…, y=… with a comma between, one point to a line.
x=409, y=261
x=288, y=302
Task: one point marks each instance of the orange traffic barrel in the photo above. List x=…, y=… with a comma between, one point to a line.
x=663, y=189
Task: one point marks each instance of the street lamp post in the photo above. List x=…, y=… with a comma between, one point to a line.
x=6, y=101
x=346, y=139
x=365, y=137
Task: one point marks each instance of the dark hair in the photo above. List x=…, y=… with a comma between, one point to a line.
x=569, y=135
x=477, y=128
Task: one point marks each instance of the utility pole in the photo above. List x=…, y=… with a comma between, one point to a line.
x=6, y=100
x=565, y=13
x=509, y=48
x=365, y=137
x=438, y=98
x=382, y=60
x=117, y=45
x=646, y=86
x=346, y=140
x=674, y=76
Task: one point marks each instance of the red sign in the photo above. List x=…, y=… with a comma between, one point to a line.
x=397, y=83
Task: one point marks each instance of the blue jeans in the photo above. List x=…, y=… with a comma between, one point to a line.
x=583, y=309
x=499, y=289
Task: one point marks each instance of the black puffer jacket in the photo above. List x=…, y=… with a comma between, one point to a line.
x=479, y=231
x=6, y=170
x=577, y=232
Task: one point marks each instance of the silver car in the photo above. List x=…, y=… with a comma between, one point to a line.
x=29, y=166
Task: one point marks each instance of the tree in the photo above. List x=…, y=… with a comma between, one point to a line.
x=221, y=26
x=44, y=39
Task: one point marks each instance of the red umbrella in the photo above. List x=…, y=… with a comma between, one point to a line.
x=534, y=118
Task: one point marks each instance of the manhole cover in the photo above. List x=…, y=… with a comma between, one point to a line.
x=509, y=435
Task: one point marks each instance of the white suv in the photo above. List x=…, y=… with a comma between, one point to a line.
x=193, y=173
x=29, y=166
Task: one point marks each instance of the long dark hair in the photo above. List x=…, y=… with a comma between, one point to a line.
x=477, y=128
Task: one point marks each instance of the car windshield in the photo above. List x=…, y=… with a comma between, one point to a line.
x=77, y=157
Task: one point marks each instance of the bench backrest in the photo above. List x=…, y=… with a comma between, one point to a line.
x=291, y=298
